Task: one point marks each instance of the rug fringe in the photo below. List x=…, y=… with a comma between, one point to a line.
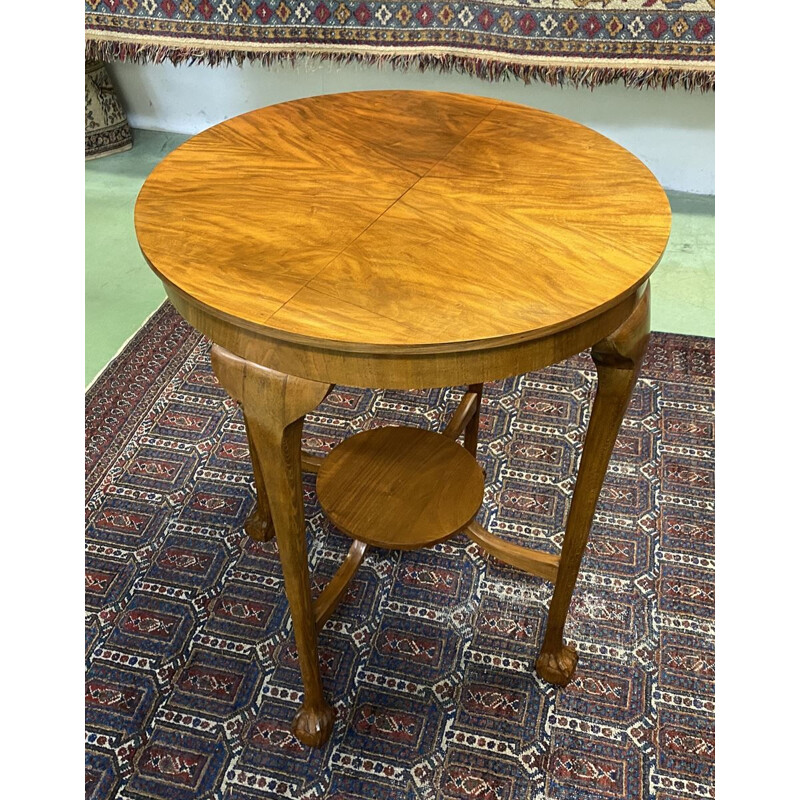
x=487, y=69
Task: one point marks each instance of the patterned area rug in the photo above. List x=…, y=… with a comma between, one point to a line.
x=107, y=129
x=585, y=42
x=192, y=676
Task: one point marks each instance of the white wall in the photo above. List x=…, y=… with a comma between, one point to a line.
x=671, y=131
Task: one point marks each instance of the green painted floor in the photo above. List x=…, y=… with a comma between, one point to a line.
x=121, y=291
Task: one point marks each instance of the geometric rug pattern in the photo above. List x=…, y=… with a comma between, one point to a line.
x=191, y=671
x=581, y=42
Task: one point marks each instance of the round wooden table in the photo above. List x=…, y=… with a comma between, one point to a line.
x=404, y=240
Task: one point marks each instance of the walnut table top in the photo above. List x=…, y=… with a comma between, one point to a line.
x=400, y=223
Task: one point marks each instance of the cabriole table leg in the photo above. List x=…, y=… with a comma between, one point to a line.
x=617, y=359
x=274, y=405
x=258, y=525
x=474, y=425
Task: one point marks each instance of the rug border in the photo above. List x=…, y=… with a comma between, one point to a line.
x=111, y=362
x=104, y=399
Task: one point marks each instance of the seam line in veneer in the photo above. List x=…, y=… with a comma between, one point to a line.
x=385, y=210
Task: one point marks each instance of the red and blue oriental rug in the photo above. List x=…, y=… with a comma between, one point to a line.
x=192, y=677
x=583, y=42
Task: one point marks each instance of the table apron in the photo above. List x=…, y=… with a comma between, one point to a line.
x=402, y=370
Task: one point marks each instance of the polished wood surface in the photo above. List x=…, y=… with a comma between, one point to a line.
x=472, y=430
x=274, y=405
x=383, y=221
x=466, y=412
x=335, y=590
x=404, y=240
x=617, y=359
x=401, y=370
x=310, y=463
x=401, y=488
x=258, y=525
x=534, y=562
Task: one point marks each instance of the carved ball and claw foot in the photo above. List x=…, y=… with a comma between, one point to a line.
x=557, y=666
x=313, y=726
x=258, y=528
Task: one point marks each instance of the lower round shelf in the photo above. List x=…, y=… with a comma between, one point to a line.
x=400, y=488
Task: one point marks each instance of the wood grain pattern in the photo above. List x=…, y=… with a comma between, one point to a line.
x=400, y=368
x=382, y=220
x=534, y=562
x=258, y=524
x=617, y=359
x=310, y=463
x=404, y=240
x=275, y=405
x=474, y=425
x=401, y=488
x=463, y=415
x=334, y=591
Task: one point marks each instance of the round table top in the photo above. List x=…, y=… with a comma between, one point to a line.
x=376, y=221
